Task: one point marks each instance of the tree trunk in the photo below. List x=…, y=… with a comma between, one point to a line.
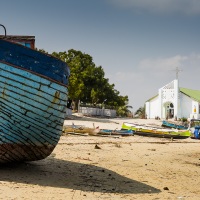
x=75, y=105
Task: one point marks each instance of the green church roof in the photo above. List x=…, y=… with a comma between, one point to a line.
x=194, y=94
x=152, y=98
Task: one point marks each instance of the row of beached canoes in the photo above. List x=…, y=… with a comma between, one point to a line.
x=95, y=131
x=130, y=129
x=145, y=130
x=168, y=131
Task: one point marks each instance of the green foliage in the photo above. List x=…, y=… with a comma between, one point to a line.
x=42, y=50
x=140, y=113
x=123, y=109
x=184, y=119
x=88, y=84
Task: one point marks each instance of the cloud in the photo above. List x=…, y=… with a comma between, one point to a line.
x=159, y=67
x=189, y=7
x=162, y=63
x=190, y=61
x=155, y=72
x=165, y=68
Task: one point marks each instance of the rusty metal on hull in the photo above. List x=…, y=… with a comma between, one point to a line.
x=18, y=153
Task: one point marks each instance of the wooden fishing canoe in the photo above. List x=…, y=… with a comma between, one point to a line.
x=151, y=131
x=33, y=98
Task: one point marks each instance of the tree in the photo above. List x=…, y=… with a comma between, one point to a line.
x=87, y=82
x=77, y=65
x=42, y=51
x=123, y=110
x=141, y=112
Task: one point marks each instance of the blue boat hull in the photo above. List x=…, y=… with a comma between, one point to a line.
x=32, y=110
x=172, y=125
x=116, y=132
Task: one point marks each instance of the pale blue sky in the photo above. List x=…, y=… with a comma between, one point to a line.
x=139, y=43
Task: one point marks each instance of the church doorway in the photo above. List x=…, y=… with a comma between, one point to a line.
x=169, y=110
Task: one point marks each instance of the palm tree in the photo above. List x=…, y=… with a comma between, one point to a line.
x=124, y=111
x=141, y=113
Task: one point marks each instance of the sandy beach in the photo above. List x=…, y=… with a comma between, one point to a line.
x=127, y=168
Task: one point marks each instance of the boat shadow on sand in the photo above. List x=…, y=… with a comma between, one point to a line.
x=53, y=172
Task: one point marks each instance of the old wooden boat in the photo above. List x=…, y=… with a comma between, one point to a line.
x=152, y=131
x=116, y=132
x=33, y=96
x=80, y=130
x=170, y=124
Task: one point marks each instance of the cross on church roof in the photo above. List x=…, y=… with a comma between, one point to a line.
x=177, y=72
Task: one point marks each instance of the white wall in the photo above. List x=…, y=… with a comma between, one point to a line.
x=68, y=112
x=97, y=112
x=147, y=109
x=185, y=106
x=152, y=110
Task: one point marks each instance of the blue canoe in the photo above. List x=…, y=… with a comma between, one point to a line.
x=173, y=125
x=33, y=97
x=116, y=132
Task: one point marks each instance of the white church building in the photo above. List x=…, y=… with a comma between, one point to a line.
x=175, y=102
